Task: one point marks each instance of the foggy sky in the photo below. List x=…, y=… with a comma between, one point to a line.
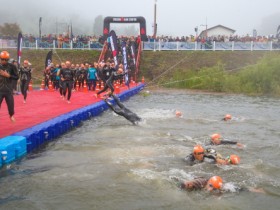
x=174, y=17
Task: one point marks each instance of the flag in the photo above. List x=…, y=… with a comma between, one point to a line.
x=114, y=46
x=48, y=58
x=19, y=48
x=40, y=24
x=132, y=47
x=126, y=79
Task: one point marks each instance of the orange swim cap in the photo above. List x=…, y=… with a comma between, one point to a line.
x=215, y=182
x=234, y=159
x=178, y=113
x=215, y=136
x=4, y=55
x=227, y=117
x=198, y=150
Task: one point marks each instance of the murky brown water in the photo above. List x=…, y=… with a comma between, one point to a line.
x=107, y=163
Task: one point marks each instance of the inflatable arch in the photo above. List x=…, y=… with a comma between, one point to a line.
x=140, y=20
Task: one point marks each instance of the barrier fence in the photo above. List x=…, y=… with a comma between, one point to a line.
x=155, y=46
x=211, y=46
x=37, y=44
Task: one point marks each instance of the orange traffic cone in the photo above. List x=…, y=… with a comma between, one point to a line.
x=131, y=81
x=42, y=85
x=30, y=88
x=97, y=87
x=143, y=80
x=117, y=89
x=50, y=86
x=85, y=87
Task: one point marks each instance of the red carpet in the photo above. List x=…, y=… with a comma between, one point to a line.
x=40, y=107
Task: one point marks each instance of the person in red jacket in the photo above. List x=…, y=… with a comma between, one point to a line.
x=8, y=73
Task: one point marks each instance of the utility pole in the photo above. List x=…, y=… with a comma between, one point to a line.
x=155, y=19
x=56, y=27
x=206, y=28
x=206, y=32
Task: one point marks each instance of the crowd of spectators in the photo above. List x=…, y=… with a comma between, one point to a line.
x=218, y=38
x=61, y=38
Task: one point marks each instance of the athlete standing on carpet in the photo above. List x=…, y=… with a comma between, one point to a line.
x=25, y=77
x=8, y=73
x=67, y=79
x=104, y=74
x=114, y=75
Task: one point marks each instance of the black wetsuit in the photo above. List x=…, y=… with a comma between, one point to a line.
x=67, y=84
x=110, y=82
x=25, y=77
x=6, y=86
x=123, y=111
x=190, y=159
x=107, y=78
x=225, y=142
x=83, y=77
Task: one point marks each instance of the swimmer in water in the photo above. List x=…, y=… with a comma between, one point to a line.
x=210, y=184
x=215, y=183
x=123, y=111
x=178, y=113
x=216, y=139
x=227, y=117
x=232, y=159
x=198, y=156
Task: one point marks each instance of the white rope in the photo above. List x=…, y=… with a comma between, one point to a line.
x=58, y=56
x=197, y=77
x=172, y=67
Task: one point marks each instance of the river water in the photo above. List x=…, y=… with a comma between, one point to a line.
x=107, y=163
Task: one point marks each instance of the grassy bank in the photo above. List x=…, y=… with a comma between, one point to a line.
x=252, y=73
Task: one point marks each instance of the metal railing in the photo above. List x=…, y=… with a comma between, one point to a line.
x=211, y=46
x=54, y=44
x=155, y=46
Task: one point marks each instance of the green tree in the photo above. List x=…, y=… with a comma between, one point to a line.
x=98, y=25
x=10, y=29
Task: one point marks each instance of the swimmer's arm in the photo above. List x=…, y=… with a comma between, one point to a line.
x=228, y=142
x=250, y=189
x=221, y=161
x=119, y=112
x=109, y=104
x=256, y=190
x=210, y=156
x=189, y=159
x=239, y=145
x=225, y=142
